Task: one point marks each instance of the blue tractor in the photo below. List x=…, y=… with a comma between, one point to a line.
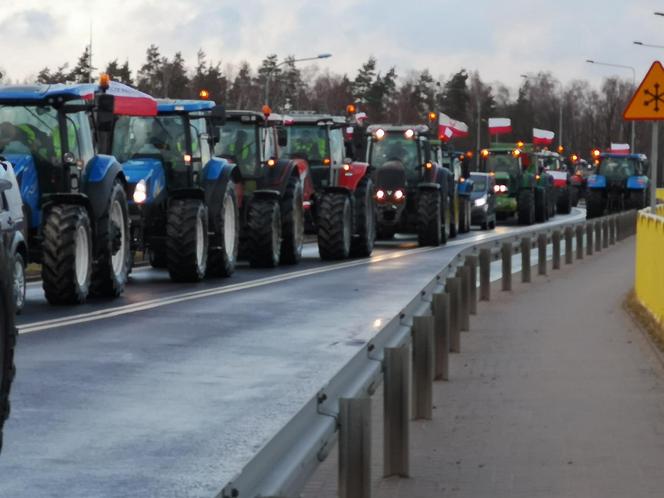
x=620, y=182
x=74, y=195
x=183, y=205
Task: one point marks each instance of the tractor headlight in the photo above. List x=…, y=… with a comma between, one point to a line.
x=398, y=195
x=480, y=202
x=140, y=192
x=380, y=194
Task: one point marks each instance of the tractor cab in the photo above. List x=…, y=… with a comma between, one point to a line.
x=58, y=139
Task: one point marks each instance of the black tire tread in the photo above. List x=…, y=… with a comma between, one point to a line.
x=331, y=245
x=291, y=252
x=429, y=218
x=219, y=264
x=181, y=240
x=362, y=243
x=259, y=242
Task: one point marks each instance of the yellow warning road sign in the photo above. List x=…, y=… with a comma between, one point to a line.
x=648, y=101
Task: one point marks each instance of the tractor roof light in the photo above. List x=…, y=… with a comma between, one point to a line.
x=187, y=159
x=520, y=144
x=516, y=153
x=432, y=116
x=379, y=134
x=104, y=81
x=351, y=109
x=428, y=165
x=204, y=94
x=575, y=158
x=596, y=153
x=537, y=177
x=484, y=153
x=409, y=133
x=271, y=163
x=326, y=161
x=561, y=149
x=267, y=110
x=469, y=154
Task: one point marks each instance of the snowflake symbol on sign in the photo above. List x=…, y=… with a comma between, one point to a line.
x=655, y=97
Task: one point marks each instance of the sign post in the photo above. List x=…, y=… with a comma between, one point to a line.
x=647, y=104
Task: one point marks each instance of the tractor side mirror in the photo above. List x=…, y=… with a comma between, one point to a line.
x=282, y=137
x=5, y=185
x=218, y=116
x=105, y=112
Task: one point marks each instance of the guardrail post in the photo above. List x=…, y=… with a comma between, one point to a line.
x=506, y=254
x=441, y=312
x=579, y=242
x=423, y=367
x=464, y=319
x=555, y=242
x=612, y=230
x=396, y=416
x=605, y=233
x=589, y=238
x=525, y=260
x=569, y=250
x=485, y=274
x=354, y=448
x=471, y=263
x=453, y=287
x=541, y=253
x=598, y=236
x=621, y=226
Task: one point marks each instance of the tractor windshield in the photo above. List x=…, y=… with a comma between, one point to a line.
x=617, y=168
x=551, y=163
x=238, y=143
x=505, y=163
x=162, y=136
x=31, y=130
x=307, y=141
x=395, y=147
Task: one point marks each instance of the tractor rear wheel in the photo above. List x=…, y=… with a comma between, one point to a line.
x=292, y=222
x=594, y=204
x=19, y=287
x=526, y=207
x=362, y=243
x=429, y=218
x=67, y=254
x=636, y=199
x=224, y=224
x=187, y=240
x=541, y=205
x=111, y=267
x=335, y=226
x=564, y=201
x=263, y=242
x=7, y=338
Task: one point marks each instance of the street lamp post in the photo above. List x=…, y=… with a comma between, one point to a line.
x=621, y=66
x=268, y=76
x=560, y=108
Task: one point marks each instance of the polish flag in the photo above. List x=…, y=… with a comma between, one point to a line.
x=498, y=126
x=448, y=127
x=543, y=137
x=619, y=148
x=445, y=133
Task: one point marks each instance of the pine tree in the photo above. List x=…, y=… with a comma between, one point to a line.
x=120, y=73
x=150, y=74
x=82, y=72
x=364, y=81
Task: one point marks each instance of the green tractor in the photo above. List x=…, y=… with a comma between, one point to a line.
x=520, y=188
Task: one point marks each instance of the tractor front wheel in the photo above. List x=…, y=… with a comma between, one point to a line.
x=594, y=204
x=526, y=207
x=429, y=218
x=335, y=226
x=263, y=244
x=223, y=248
x=187, y=240
x=292, y=222
x=365, y=220
x=541, y=205
x=67, y=255
x=564, y=201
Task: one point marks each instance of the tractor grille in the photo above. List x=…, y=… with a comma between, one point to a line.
x=391, y=176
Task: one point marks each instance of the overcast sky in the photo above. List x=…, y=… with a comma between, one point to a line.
x=502, y=39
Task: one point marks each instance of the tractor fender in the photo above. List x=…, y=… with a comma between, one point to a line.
x=352, y=177
x=637, y=182
x=276, y=177
x=151, y=171
x=187, y=193
x=28, y=180
x=428, y=186
x=596, y=181
x=266, y=194
x=216, y=176
x=101, y=173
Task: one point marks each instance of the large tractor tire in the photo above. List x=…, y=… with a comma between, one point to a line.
x=362, y=243
x=225, y=226
x=19, y=282
x=526, y=207
x=292, y=222
x=595, y=204
x=564, y=201
x=7, y=338
x=574, y=195
x=187, y=240
x=157, y=258
x=111, y=266
x=67, y=255
x=541, y=206
x=430, y=230
x=263, y=242
x=335, y=226
x=637, y=199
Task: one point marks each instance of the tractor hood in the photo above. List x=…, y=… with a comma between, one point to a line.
x=28, y=181
x=20, y=162
x=391, y=176
x=150, y=170
x=502, y=177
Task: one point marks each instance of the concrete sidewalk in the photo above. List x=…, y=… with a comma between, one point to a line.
x=556, y=393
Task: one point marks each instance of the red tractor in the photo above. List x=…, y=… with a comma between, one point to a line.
x=341, y=211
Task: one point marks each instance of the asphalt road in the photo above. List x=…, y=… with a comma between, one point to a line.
x=171, y=389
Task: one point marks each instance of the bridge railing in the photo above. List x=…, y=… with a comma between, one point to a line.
x=649, y=275
x=283, y=466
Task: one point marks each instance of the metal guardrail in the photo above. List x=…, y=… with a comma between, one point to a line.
x=283, y=466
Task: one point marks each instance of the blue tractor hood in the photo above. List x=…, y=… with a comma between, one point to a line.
x=28, y=181
x=148, y=169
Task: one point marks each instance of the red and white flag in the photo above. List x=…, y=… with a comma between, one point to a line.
x=543, y=137
x=619, y=148
x=449, y=128
x=498, y=126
